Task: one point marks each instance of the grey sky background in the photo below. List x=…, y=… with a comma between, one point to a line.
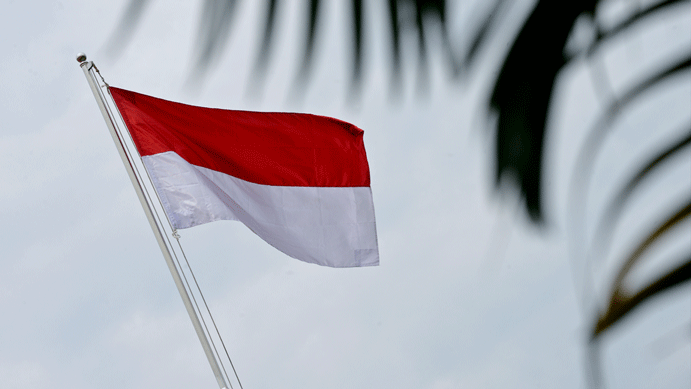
x=467, y=295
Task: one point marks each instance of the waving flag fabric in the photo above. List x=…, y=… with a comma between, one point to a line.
x=301, y=182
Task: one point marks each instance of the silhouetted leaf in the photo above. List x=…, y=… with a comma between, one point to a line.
x=126, y=26
x=621, y=303
x=612, y=212
x=261, y=63
x=663, y=228
x=357, y=43
x=627, y=24
x=415, y=15
x=595, y=139
x=522, y=95
x=395, y=42
x=313, y=18
x=216, y=20
x=482, y=34
x=422, y=45
x=217, y=16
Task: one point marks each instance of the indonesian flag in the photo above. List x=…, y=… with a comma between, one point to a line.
x=301, y=182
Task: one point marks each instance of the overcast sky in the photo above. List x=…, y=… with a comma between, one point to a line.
x=467, y=295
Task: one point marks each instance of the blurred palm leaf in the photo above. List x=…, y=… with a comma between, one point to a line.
x=213, y=33
x=523, y=91
x=626, y=25
x=584, y=167
x=615, y=207
x=621, y=302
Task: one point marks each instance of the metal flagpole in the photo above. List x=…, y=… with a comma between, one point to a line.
x=87, y=67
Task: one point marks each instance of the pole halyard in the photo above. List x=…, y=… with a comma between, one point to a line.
x=88, y=68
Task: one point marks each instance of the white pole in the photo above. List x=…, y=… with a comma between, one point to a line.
x=87, y=67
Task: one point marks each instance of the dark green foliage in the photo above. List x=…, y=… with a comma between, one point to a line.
x=523, y=91
x=268, y=35
x=613, y=211
x=622, y=302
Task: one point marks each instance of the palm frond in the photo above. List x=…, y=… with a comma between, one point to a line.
x=217, y=18
x=621, y=303
x=481, y=36
x=417, y=16
x=522, y=95
x=313, y=18
x=357, y=44
x=633, y=21
x=613, y=210
x=596, y=136
x=260, y=64
x=126, y=27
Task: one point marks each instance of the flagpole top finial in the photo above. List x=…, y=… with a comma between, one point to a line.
x=81, y=57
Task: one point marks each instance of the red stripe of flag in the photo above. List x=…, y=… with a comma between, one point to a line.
x=269, y=148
